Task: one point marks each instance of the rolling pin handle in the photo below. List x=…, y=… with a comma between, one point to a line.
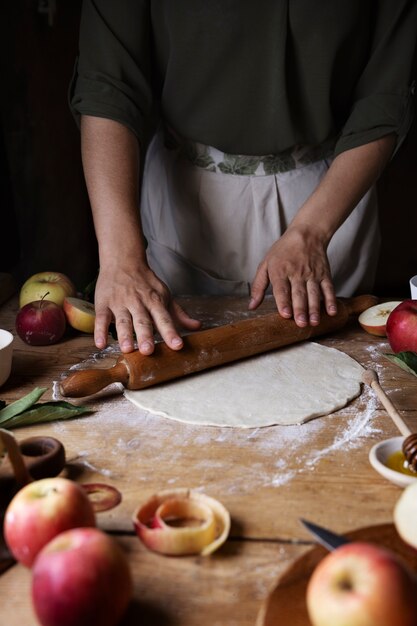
x=358, y=304
x=87, y=382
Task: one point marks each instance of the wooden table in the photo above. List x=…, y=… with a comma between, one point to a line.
x=268, y=478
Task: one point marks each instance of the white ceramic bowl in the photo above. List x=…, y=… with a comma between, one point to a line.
x=413, y=287
x=6, y=352
x=378, y=456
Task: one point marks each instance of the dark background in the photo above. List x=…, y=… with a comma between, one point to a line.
x=45, y=216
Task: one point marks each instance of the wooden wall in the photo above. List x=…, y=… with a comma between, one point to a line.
x=42, y=143
x=44, y=205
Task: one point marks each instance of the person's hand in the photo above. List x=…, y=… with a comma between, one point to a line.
x=137, y=301
x=298, y=270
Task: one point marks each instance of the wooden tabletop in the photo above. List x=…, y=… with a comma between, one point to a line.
x=267, y=478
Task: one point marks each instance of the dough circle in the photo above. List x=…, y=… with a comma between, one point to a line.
x=288, y=386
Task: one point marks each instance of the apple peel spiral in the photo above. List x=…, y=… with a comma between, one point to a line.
x=182, y=522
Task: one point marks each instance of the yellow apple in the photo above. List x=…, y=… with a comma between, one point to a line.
x=80, y=314
x=52, y=286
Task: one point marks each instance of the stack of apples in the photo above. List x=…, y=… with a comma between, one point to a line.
x=364, y=584
x=80, y=575
x=47, y=304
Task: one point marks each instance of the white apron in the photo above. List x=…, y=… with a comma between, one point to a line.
x=208, y=226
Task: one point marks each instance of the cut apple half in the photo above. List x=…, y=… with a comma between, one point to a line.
x=374, y=319
x=80, y=314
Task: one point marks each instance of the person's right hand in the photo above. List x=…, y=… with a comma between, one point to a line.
x=138, y=302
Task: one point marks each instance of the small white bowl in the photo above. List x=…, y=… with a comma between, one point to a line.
x=378, y=456
x=6, y=352
x=413, y=287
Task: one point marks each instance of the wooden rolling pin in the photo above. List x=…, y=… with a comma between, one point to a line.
x=209, y=348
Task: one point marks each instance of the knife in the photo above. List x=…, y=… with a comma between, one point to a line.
x=325, y=537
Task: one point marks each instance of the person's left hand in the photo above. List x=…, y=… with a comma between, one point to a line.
x=298, y=270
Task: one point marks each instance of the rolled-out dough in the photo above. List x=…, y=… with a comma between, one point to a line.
x=287, y=386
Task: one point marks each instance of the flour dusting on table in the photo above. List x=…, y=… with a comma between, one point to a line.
x=144, y=440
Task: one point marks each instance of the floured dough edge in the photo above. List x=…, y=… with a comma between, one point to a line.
x=140, y=398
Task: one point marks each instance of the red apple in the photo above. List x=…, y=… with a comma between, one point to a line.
x=361, y=584
x=81, y=578
x=55, y=284
x=374, y=319
x=40, y=323
x=402, y=327
x=42, y=510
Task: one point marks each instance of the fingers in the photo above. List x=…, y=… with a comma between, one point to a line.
x=147, y=308
x=166, y=326
x=101, y=326
x=300, y=279
x=182, y=317
x=144, y=330
x=259, y=286
x=329, y=297
x=302, y=300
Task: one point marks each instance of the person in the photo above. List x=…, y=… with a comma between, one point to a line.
x=263, y=126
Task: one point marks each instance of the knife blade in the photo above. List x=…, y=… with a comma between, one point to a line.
x=325, y=537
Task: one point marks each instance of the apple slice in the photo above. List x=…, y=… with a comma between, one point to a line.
x=405, y=513
x=180, y=521
x=374, y=319
x=80, y=314
x=103, y=497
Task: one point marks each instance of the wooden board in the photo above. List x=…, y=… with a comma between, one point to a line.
x=286, y=603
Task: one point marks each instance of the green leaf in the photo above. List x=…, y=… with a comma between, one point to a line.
x=406, y=360
x=47, y=412
x=23, y=404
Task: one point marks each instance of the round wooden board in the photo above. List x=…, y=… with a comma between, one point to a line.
x=286, y=603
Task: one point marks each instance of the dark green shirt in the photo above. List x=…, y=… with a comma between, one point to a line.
x=250, y=76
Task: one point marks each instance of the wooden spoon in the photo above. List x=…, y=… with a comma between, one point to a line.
x=409, y=447
x=28, y=460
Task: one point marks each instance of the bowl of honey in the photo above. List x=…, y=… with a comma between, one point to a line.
x=387, y=458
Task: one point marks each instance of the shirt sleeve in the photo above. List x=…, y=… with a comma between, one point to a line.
x=112, y=75
x=383, y=101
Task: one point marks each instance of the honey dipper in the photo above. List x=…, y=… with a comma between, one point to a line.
x=409, y=447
